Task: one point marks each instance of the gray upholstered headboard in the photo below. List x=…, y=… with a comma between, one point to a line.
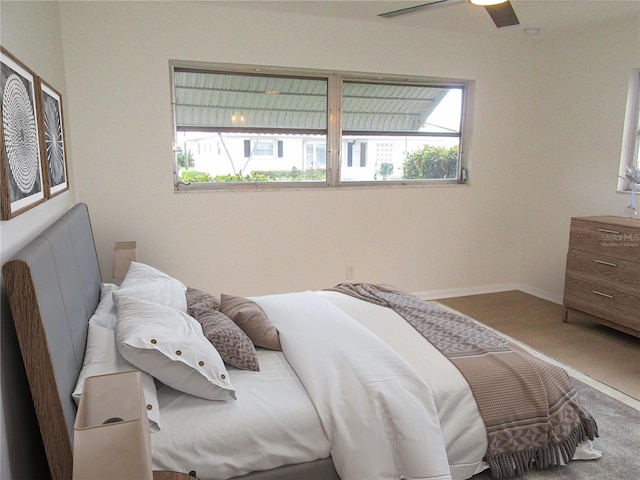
x=53, y=285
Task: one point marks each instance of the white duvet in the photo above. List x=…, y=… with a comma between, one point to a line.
x=378, y=414
x=379, y=399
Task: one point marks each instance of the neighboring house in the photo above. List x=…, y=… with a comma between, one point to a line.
x=364, y=158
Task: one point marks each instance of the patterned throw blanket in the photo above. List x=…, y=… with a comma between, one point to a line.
x=529, y=407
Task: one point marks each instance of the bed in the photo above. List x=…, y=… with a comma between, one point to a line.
x=354, y=387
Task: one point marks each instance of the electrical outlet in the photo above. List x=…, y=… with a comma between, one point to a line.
x=349, y=272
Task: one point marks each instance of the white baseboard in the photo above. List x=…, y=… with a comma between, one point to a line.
x=536, y=292
x=503, y=287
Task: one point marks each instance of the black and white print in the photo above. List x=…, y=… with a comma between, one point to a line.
x=21, y=153
x=53, y=133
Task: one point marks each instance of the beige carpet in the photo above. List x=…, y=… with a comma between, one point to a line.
x=610, y=356
x=602, y=353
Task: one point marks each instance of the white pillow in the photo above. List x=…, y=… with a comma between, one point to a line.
x=102, y=357
x=105, y=313
x=148, y=283
x=169, y=344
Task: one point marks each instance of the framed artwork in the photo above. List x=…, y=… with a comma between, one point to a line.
x=53, y=145
x=21, y=159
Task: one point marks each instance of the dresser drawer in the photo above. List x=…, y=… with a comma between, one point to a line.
x=603, y=302
x=621, y=275
x=616, y=239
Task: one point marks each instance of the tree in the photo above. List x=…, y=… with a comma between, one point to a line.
x=186, y=161
x=386, y=170
x=431, y=162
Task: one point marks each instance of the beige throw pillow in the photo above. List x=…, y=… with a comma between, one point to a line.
x=252, y=319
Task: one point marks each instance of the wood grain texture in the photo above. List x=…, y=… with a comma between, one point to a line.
x=603, y=271
x=607, y=236
x=604, y=302
x=621, y=275
x=37, y=361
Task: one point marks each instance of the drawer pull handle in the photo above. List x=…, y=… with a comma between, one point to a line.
x=608, y=231
x=602, y=294
x=602, y=262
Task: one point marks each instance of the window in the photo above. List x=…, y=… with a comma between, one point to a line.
x=263, y=148
x=357, y=150
x=316, y=155
x=631, y=136
x=238, y=127
x=401, y=132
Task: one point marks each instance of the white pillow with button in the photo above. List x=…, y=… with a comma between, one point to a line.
x=169, y=344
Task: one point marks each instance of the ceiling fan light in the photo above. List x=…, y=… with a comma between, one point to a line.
x=484, y=3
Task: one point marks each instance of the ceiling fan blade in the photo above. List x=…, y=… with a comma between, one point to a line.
x=404, y=11
x=502, y=14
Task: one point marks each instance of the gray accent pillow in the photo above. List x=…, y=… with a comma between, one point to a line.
x=252, y=319
x=197, y=299
x=233, y=345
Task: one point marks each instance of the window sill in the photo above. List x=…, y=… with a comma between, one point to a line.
x=209, y=188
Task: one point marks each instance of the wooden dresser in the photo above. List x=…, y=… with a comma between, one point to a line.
x=603, y=271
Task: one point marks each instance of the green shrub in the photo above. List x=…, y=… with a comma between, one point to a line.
x=431, y=162
x=189, y=176
x=293, y=175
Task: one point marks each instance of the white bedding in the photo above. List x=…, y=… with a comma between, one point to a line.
x=462, y=426
x=225, y=439
x=272, y=423
x=378, y=414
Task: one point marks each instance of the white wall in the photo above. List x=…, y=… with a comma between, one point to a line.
x=575, y=144
x=421, y=239
x=31, y=32
x=546, y=137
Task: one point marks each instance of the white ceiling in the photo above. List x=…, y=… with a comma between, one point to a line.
x=553, y=17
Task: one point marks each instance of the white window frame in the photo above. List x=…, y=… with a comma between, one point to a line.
x=630, y=153
x=334, y=139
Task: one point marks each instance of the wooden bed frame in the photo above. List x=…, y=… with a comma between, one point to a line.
x=53, y=286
